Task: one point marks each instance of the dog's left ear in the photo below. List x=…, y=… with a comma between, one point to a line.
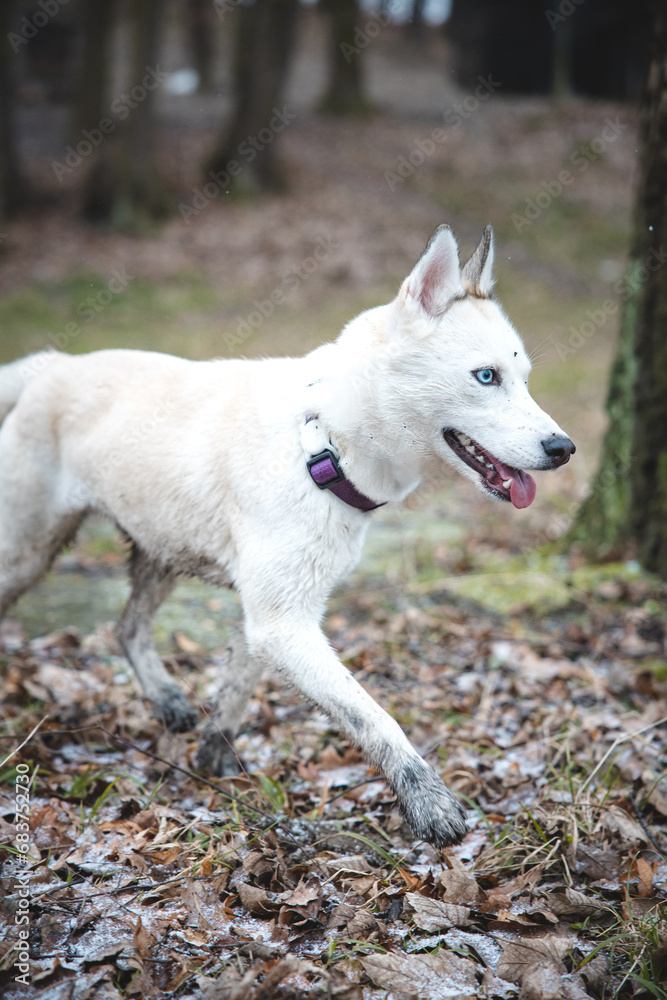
x=436, y=277
x=476, y=275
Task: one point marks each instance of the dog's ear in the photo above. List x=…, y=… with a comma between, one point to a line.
x=476, y=274
x=436, y=278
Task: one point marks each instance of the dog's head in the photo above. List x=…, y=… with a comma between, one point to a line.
x=466, y=371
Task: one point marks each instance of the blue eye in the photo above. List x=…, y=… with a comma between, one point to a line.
x=485, y=375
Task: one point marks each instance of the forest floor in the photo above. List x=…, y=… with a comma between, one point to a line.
x=534, y=682
x=299, y=878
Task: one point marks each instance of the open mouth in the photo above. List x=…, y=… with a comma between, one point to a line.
x=502, y=481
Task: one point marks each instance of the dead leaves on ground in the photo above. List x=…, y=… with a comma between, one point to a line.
x=145, y=881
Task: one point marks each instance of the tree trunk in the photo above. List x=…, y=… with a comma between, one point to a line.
x=201, y=32
x=12, y=187
x=347, y=40
x=416, y=24
x=648, y=472
x=97, y=21
x=628, y=501
x=509, y=40
x=246, y=156
x=124, y=186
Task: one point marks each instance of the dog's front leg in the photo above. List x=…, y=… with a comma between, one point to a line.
x=302, y=654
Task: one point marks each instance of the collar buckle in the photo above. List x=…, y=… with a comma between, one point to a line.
x=324, y=469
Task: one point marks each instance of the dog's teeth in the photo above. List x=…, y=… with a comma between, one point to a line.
x=464, y=439
x=471, y=449
x=489, y=465
x=507, y=483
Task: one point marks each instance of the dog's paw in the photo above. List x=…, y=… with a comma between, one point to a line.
x=432, y=811
x=174, y=710
x=216, y=753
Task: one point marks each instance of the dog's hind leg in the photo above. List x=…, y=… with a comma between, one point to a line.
x=151, y=584
x=27, y=549
x=39, y=511
x=238, y=679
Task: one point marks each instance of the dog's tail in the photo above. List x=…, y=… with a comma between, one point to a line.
x=15, y=376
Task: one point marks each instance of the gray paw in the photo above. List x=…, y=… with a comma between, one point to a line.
x=216, y=753
x=174, y=710
x=429, y=807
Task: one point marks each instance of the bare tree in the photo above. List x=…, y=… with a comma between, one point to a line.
x=97, y=22
x=201, y=32
x=263, y=45
x=12, y=188
x=628, y=499
x=345, y=91
x=124, y=186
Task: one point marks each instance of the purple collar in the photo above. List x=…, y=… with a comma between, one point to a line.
x=327, y=474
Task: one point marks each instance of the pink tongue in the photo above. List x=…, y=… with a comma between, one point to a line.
x=522, y=488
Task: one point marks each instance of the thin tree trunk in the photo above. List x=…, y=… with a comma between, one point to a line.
x=201, y=32
x=262, y=52
x=124, y=187
x=416, y=24
x=347, y=40
x=93, y=74
x=12, y=188
x=628, y=499
x=648, y=472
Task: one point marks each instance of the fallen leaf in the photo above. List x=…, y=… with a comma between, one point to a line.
x=186, y=645
x=348, y=863
x=460, y=886
x=645, y=876
x=434, y=915
x=519, y=957
x=362, y=925
x=424, y=977
x=255, y=900
x=572, y=904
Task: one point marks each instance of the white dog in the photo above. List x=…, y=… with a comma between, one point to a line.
x=260, y=475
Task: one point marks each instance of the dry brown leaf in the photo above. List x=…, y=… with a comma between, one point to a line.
x=617, y=822
x=424, y=977
x=143, y=939
x=348, y=863
x=594, y=973
x=434, y=915
x=572, y=904
x=541, y=982
x=519, y=957
x=255, y=900
x=60, y=684
x=460, y=886
x=362, y=925
x=339, y=987
x=645, y=876
x=544, y=982
x=256, y=863
x=105, y=938
x=285, y=967
x=658, y=797
x=186, y=645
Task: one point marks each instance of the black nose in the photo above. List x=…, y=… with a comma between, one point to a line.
x=558, y=449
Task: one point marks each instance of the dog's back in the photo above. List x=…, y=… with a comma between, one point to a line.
x=15, y=376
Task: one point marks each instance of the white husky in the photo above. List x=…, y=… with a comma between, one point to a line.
x=260, y=475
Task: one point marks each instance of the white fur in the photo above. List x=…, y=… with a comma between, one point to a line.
x=203, y=465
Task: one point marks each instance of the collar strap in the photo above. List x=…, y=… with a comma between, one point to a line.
x=327, y=474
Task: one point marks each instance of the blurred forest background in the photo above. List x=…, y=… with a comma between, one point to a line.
x=240, y=178
x=215, y=178
x=223, y=178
